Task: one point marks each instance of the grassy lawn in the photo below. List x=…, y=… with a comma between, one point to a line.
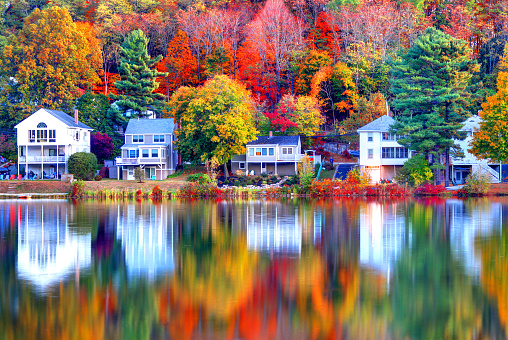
x=327, y=174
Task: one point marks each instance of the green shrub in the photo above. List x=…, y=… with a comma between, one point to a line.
x=477, y=183
x=199, y=178
x=416, y=170
x=82, y=165
x=305, y=171
x=237, y=183
x=176, y=174
x=264, y=174
x=98, y=178
x=139, y=174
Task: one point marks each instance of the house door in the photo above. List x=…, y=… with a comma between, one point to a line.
x=130, y=173
x=150, y=173
x=263, y=167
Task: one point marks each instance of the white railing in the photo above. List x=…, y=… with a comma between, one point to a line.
x=492, y=172
x=292, y=157
x=141, y=160
x=42, y=159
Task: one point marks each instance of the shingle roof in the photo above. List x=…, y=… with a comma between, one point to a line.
x=280, y=140
x=66, y=119
x=239, y=158
x=381, y=124
x=150, y=126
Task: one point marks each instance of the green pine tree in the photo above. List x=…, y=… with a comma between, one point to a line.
x=430, y=85
x=138, y=76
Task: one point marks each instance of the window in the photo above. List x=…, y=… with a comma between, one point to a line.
x=258, y=151
x=158, y=138
x=144, y=153
x=370, y=137
x=251, y=151
x=287, y=151
x=394, y=153
x=241, y=165
x=31, y=136
x=270, y=151
x=370, y=153
x=42, y=136
x=52, y=135
x=42, y=126
x=264, y=151
x=137, y=139
x=132, y=154
x=155, y=153
x=389, y=136
x=77, y=135
x=163, y=153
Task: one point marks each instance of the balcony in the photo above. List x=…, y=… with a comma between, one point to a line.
x=139, y=161
x=42, y=159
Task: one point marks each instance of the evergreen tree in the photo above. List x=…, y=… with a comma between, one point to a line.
x=430, y=84
x=138, y=76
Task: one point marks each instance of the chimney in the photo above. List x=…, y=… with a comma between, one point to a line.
x=270, y=134
x=76, y=116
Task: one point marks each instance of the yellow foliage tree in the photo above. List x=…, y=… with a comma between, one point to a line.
x=49, y=59
x=490, y=142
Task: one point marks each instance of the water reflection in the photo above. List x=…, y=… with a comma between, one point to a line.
x=342, y=269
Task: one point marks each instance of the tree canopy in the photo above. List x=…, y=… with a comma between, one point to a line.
x=217, y=121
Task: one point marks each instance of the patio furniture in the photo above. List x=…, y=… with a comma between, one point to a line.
x=12, y=177
x=20, y=177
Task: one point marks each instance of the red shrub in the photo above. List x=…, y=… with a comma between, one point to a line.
x=430, y=190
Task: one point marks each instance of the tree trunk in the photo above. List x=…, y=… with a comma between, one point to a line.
x=447, y=169
x=226, y=174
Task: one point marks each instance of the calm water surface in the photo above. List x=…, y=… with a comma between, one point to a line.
x=337, y=269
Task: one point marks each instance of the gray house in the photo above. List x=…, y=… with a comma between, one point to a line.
x=149, y=145
x=272, y=154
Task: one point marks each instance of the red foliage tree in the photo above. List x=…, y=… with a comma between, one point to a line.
x=101, y=146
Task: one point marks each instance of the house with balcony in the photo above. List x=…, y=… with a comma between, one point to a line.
x=381, y=155
x=46, y=139
x=149, y=144
x=272, y=154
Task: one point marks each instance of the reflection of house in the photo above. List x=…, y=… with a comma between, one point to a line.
x=381, y=155
x=273, y=228
x=48, y=251
x=272, y=154
x=147, y=239
x=383, y=234
x=47, y=138
x=149, y=145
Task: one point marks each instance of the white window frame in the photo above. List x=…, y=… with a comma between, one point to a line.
x=159, y=138
x=370, y=137
x=152, y=153
x=140, y=139
x=143, y=153
x=370, y=153
x=241, y=165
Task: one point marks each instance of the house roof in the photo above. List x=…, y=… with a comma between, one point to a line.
x=471, y=123
x=64, y=118
x=150, y=126
x=381, y=124
x=276, y=140
x=239, y=158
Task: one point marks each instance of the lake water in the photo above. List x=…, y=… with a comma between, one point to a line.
x=259, y=269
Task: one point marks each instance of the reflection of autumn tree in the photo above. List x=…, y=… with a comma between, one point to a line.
x=494, y=272
x=430, y=294
x=217, y=272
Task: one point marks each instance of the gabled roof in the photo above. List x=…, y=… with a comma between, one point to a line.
x=382, y=124
x=277, y=140
x=471, y=123
x=63, y=117
x=66, y=119
x=150, y=126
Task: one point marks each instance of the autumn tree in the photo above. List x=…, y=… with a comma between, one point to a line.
x=101, y=145
x=430, y=85
x=489, y=142
x=277, y=34
x=311, y=64
x=46, y=63
x=334, y=86
x=217, y=122
x=138, y=76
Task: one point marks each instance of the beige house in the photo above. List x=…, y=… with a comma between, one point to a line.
x=272, y=154
x=149, y=144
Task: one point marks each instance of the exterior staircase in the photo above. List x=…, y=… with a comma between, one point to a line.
x=493, y=173
x=342, y=170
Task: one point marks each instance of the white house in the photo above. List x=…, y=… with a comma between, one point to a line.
x=276, y=154
x=381, y=155
x=47, y=138
x=149, y=144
